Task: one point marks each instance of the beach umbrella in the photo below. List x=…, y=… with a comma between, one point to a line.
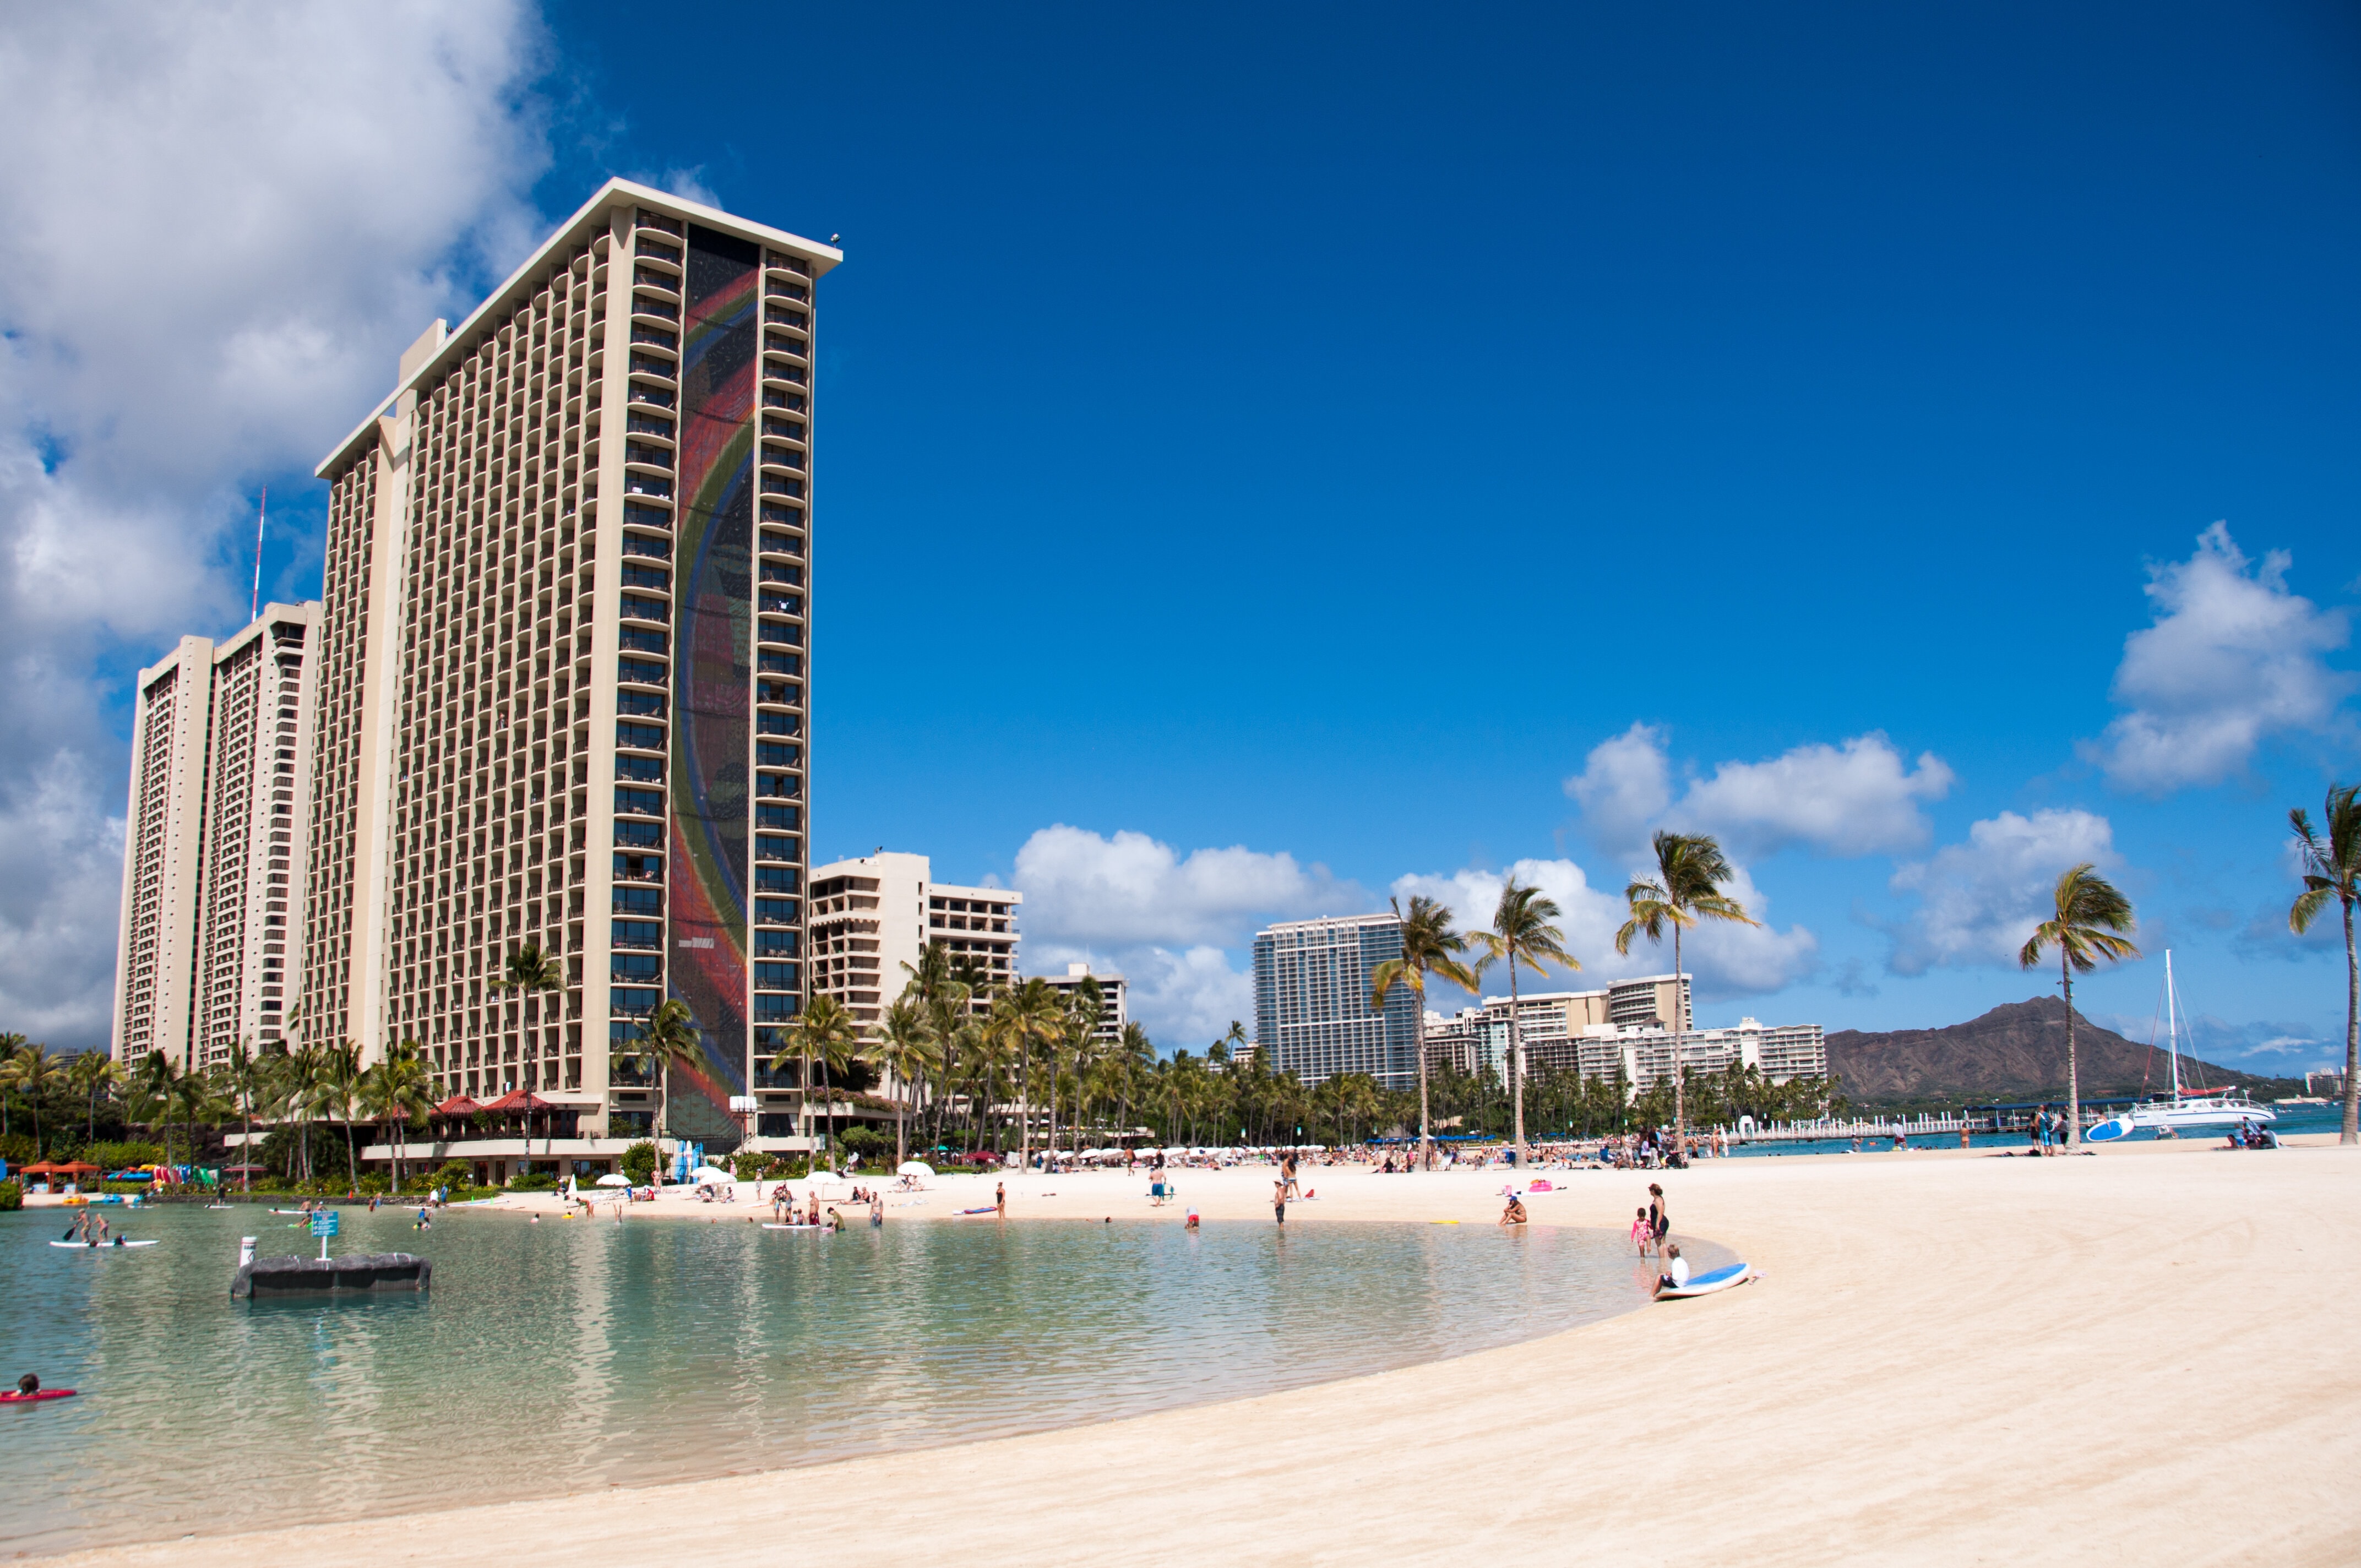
x=914, y=1168
x=706, y=1173
x=612, y=1179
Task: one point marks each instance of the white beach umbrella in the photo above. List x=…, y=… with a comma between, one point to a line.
x=914, y=1168
x=612, y=1179
x=706, y=1173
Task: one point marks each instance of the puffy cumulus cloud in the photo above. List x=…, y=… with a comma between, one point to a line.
x=1979, y=901
x=1859, y=797
x=1177, y=927
x=225, y=223
x=1727, y=961
x=1626, y=784
x=2234, y=658
x=1180, y=996
x=1130, y=890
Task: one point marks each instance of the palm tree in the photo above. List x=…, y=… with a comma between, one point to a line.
x=1690, y=870
x=191, y=1101
x=301, y=1089
x=10, y=1043
x=247, y=1076
x=151, y=1089
x=827, y=1033
x=2089, y=911
x=339, y=1091
x=1428, y=946
x=1135, y=1055
x=95, y=1073
x=1520, y=934
x=34, y=1072
x=529, y=972
x=396, y=1090
x=669, y=1038
x=904, y=1047
x=2332, y=869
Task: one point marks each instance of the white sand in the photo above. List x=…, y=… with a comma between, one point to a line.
x=2145, y=1356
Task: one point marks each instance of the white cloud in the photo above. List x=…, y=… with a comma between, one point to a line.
x=1727, y=961
x=225, y=222
x=1624, y=786
x=1980, y=900
x=1185, y=997
x=1131, y=890
x=2234, y=658
x=1861, y=798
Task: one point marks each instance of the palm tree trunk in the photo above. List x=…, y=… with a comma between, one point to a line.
x=1418, y=1033
x=2352, y=1133
x=1517, y=1066
x=1680, y=1022
x=2073, y=1073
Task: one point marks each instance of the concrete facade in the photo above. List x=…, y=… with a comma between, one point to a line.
x=213, y=888
x=1312, y=1001
x=564, y=656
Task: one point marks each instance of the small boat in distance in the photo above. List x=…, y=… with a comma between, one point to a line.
x=2184, y=1107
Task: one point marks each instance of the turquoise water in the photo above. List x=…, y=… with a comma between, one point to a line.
x=574, y=1354
x=2291, y=1120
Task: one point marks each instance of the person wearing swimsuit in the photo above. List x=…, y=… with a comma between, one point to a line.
x=1660, y=1218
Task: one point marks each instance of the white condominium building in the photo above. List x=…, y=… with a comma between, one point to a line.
x=564, y=673
x=871, y=916
x=1114, y=1012
x=221, y=750
x=1621, y=1029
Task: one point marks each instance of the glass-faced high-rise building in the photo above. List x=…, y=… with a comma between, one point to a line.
x=1312, y=1000
x=563, y=672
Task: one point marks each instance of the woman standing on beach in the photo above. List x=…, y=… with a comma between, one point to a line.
x=1660, y=1217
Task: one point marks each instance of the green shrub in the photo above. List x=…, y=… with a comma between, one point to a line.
x=122, y=1156
x=534, y=1181
x=750, y=1165
x=457, y=1175
x=12, y=1195
x=640, y=1163
x=866, y=1142
x=17, y=1148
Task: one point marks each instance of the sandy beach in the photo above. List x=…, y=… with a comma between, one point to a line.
x=2142, y=1356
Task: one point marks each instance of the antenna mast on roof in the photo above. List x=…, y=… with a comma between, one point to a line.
x=256, y=613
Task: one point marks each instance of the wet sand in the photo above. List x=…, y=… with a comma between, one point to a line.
x=2143, y=1355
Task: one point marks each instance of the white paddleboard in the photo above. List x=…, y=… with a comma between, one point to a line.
x=1709, y=1283
x=100, y=1246
x=769, y=1226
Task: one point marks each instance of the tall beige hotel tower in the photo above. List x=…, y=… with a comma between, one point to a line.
x=564, y=667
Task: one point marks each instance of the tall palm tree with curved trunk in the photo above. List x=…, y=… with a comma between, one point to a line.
x=2090, y=915
x=1520, y=934
x=92, y=1073
x=826, y=1032
x=904, y=1047
x=245, y=1077
x=1690, y=870
x=2332, y=869
x=668, y=1039
x=1428, y=946
x=530, y=972
x=397, y=1089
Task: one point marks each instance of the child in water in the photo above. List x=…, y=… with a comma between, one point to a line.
x=1643, y=1231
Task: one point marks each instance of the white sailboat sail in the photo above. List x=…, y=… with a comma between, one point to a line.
x=2186, y=1107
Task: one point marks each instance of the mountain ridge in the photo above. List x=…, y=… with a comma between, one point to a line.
x=2016, y=1051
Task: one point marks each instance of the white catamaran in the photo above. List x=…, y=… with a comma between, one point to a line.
x=2183, y=1107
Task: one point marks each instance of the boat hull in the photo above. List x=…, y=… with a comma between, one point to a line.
x=2224, y=1112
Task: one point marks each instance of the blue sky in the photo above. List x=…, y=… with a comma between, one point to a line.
x=1272, y=460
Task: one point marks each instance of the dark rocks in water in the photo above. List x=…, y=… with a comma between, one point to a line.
x=352, y=1273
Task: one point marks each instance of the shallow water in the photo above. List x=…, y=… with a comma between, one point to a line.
x=571, y=1354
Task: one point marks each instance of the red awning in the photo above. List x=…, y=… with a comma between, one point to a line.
x=522, y=1100
x=458, y=1105
x=76, y=1168
x=43, y=1169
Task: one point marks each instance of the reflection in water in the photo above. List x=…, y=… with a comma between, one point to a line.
x=571, y=1354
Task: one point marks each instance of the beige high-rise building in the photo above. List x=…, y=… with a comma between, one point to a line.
x=564, y=665
x=872, y=915
x=213, y=881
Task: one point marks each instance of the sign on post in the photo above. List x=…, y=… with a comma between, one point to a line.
x=323, y=1225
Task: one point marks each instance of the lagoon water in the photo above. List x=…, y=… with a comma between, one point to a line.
x=571, y=1354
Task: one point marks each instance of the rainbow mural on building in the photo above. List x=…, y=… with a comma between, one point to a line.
x=712, y=673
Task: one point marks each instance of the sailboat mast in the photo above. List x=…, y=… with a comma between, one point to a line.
x=2172, y=1024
